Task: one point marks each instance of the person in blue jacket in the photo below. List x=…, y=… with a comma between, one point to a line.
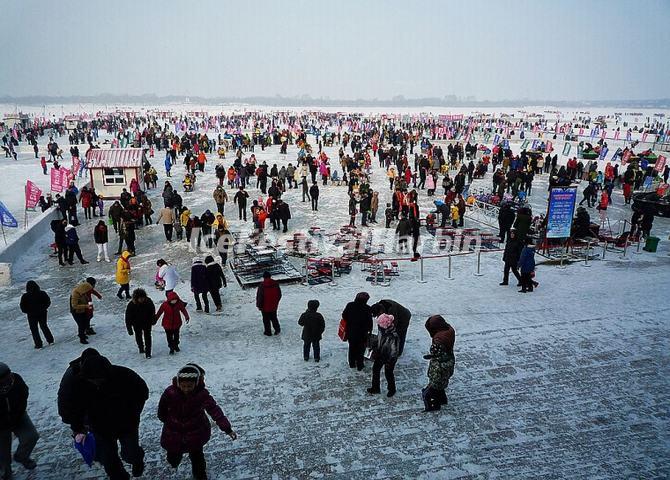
x=168, y=164
x=527, y=267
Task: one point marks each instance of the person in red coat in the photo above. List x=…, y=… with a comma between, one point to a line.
x=267, y=301
x=86, y=200
x=186, y=428
x=172, y=310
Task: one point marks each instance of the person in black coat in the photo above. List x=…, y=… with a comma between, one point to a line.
x=140, y=317
x=215, y=280
x=14, y=419
x=313, y=326
x=313, y=194
x=240, y=199
x=284, y=213
x=401, y=315
x=34, y=303
x=506, y=217
x=511, y=257
x=58, y=227
x=358, y=317
x=107, y=400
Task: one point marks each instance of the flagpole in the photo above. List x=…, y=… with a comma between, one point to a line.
x=25, y=208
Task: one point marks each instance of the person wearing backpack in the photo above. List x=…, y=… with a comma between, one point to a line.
x=385, y=354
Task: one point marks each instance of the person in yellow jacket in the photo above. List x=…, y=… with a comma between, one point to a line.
x=391, y=174
x=455, y=215
x=123, y=274
x=220, y=223
x=183, y=218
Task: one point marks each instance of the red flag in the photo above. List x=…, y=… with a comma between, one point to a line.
x=33, y=194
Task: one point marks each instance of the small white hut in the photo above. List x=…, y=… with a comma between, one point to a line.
x=113, y=169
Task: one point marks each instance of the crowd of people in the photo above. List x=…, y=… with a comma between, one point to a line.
x=103, y=402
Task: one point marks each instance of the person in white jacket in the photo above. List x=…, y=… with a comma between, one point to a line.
x=168, y=275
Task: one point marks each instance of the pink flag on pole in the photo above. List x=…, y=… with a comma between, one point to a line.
x=32, y=195
x=56, y=185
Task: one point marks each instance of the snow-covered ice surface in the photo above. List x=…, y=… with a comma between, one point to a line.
x=570, y=381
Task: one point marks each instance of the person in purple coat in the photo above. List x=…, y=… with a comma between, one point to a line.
x=199, y=284
x=186, y=428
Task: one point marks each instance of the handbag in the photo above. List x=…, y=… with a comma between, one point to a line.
x=86, y=447
x=342, y=330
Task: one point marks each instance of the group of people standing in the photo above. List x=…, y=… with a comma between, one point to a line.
x=102, y=403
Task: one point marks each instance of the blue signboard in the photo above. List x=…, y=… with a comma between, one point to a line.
x=561, y=208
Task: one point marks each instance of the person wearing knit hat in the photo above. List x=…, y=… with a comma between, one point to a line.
x=358, y=318
x=401, y=315
x=385, y=354
x=186, y=428
x=15, y=420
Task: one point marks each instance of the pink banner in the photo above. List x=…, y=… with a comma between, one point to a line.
x=660, y=163
x=56, y=185
x=32, y=195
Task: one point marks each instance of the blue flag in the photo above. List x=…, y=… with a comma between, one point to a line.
x=6, y=218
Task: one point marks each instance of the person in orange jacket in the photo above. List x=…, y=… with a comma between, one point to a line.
x=202, y=158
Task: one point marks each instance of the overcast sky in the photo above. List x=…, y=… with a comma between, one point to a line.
x=346, y=49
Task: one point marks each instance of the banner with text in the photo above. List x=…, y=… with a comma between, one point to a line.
x=561, y=208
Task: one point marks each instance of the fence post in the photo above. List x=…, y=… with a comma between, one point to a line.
x=604, y=249
x=306, y=280
x=625, y=248
x=332, y=274
x=586, y=258
x=421, y=280
x=450, y=277
x=478, y=273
